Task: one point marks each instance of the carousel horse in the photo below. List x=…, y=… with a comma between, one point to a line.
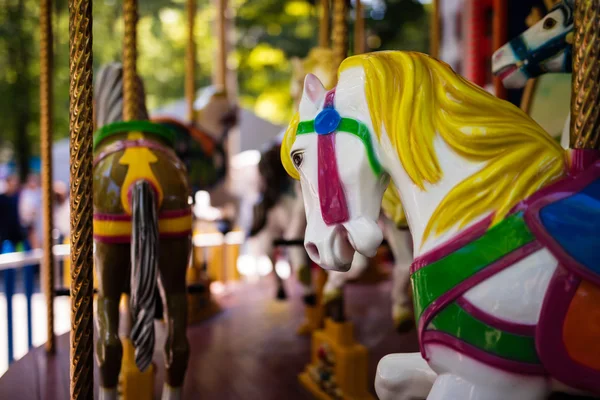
x=320, y=62
x=543, y=48
x=142, y=230
x=506, y=278
x=201, y=145
x=280, y=213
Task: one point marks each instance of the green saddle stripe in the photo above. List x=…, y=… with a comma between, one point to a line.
x=455, y=321
x=148, y=127
x=435, y=279
x=354, y=127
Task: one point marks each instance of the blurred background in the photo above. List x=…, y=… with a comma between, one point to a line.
x=263, y=36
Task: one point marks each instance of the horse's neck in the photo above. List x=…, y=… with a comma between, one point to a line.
x=419, y=205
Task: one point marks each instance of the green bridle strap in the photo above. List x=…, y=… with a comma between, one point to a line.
x=354, y=127
x=149, y=127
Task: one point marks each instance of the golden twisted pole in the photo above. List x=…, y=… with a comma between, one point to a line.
x=585, y=101
x=81, y=131
x=434, y=36
x=359, y=29
x=221, y=70
x=324, y=24
x=46, y=152
x=190, y=66
x=131, y=104
x=340, y=32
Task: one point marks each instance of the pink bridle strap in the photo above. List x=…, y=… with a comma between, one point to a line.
x=332, y=198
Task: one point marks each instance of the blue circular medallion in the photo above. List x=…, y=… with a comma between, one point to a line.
x=327, y=121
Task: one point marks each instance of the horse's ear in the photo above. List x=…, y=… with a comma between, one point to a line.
x=314, y=89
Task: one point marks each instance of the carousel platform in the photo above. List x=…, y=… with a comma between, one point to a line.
x=250, y=351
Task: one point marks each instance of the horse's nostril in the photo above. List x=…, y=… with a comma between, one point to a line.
x=312, y=250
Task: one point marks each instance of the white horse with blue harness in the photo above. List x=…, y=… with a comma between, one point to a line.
x=543, y=48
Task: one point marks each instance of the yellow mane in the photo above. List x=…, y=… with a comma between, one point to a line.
x=415, y=97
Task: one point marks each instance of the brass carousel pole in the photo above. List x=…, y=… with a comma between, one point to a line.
x=190, y=66
x=340, y=32
x=324, y=24
x=585, y=100
x=81, y=130
x=46, y=152
x=434, y=39
x=359, y=29
x=221, y=65
x=130, y=102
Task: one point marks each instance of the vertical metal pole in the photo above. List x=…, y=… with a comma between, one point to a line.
x=221, y=65
x=324, y=24
x=359, y=29
x=190, y=65
x=81, y=131
x=130, y=90
x=339, y=32
x=585, y=100
x=434, y=36
x=46, y=57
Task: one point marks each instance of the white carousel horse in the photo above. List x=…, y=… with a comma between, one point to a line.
x=502, y=282
x=280, y=214
x=545, y=47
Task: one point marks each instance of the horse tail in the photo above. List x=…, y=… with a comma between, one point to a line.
x=144, y=270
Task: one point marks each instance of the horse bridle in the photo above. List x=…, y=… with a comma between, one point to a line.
x=326, y=124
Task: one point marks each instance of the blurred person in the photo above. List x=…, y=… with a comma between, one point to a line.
x=10, y=224
x=30, y=210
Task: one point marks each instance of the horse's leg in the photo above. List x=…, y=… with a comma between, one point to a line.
x=333, y=293
x=281, y=294
x=111, y=263
x=462, y=377
x=400, y=243
x=404, y=377
x=173, y=262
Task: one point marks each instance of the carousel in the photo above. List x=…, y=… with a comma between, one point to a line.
x=423, y=228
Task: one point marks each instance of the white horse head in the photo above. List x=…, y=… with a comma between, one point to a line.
x=340, y=197
x=545, y=47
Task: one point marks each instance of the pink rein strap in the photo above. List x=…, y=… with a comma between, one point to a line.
x=332, y=198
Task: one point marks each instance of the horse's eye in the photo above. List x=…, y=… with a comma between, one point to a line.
x=297, y=158
x=549, y=23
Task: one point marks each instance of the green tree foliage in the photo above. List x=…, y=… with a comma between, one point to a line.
x=267, y=34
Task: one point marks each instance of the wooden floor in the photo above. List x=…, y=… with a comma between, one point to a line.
x=249, y=351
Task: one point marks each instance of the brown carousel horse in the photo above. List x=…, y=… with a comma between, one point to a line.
x=142, y=235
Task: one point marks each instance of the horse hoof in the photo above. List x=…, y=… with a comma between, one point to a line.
x=403, y=320
x=405, y=326
x=281, y=294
